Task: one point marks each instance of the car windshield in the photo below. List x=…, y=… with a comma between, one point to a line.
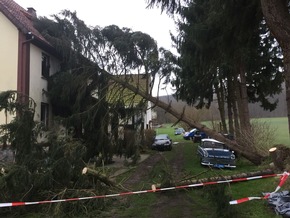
x=161, y=137
x=211, y=144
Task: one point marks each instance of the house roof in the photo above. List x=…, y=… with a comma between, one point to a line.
x=21, y=18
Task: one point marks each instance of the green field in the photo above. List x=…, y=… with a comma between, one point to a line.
x=238, y=190
x=280, y=125
x=208, y=201
x=277, y=124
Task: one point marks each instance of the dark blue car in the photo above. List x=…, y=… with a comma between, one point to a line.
x=216, y=154
x=194, y=135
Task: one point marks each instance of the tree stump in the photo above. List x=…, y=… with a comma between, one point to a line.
x=280, y=155
x=99, y=176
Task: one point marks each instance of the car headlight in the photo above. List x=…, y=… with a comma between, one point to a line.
x=205, y=154
x=233, y=156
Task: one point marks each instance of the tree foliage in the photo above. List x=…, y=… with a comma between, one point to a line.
x=80, y=92
x=276, y=14
x=41, y=170
x=91, y=56
x=222, y=45
x=107, y=61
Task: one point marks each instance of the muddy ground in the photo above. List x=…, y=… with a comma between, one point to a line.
x=176, y=200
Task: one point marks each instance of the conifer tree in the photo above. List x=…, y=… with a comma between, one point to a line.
x=214, y=35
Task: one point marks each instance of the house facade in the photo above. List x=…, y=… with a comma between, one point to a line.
x=138, y=111
x=26, y=58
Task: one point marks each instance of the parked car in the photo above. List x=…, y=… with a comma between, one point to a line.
x=179, y=131
x=162, y=142
x=194, y=135
x=189, y=135
x=157, y=126
x=216, y=154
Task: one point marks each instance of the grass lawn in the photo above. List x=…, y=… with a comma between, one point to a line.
x=255, y=188
x=235, y=191
x=206, y=203
x=280, y=125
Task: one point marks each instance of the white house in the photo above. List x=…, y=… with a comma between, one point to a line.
x=26, y=58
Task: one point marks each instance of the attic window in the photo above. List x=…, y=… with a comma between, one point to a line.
x=45, y=66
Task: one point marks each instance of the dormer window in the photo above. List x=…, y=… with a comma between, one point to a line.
x=45, y=65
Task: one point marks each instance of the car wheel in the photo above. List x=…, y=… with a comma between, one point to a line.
x=169, y=148
x=200, y=161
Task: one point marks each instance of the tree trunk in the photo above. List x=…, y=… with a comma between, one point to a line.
x=99, y=176
x=277, y=17
x=235, y=111
x=236, y=118
x=237, y=108
x=244, y=100
x=254, y=157
x=221, y=105
x=223, y=178
x=230, y=102
x=280, y=155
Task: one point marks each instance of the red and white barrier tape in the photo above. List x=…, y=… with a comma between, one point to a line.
x=283, y=179
x=154, y=189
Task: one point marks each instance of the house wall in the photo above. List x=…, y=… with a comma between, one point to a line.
x=8, y=58
x=37, y=83
x=148, y=116
x=9, y=48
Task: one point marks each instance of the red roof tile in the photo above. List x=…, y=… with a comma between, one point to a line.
x=20, y=17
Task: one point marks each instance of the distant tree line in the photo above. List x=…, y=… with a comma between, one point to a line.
x=255, y=110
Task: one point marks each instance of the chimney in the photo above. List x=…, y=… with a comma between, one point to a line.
x=32, y=12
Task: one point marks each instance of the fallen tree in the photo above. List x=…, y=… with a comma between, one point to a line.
x=221, y=179
x=118, y=62
x=236, y=177
x=246, y=152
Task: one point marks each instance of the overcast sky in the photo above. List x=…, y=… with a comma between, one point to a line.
x=123, y=13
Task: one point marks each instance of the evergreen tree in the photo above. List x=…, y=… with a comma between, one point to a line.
x=80, y=92
x=92, y=50
x=217, y=34
x=276, y=14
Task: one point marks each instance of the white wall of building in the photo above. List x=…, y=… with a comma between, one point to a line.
x=148, y=117
x=37, y=83
x=8, y=59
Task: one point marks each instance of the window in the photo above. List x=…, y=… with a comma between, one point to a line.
x=45, y=66
x=210, y=144
x=44, y=113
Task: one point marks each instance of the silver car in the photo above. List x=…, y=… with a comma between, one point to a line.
x=216, y=154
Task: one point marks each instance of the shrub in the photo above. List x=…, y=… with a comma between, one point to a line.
x=261, y=137
x=148, y=137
